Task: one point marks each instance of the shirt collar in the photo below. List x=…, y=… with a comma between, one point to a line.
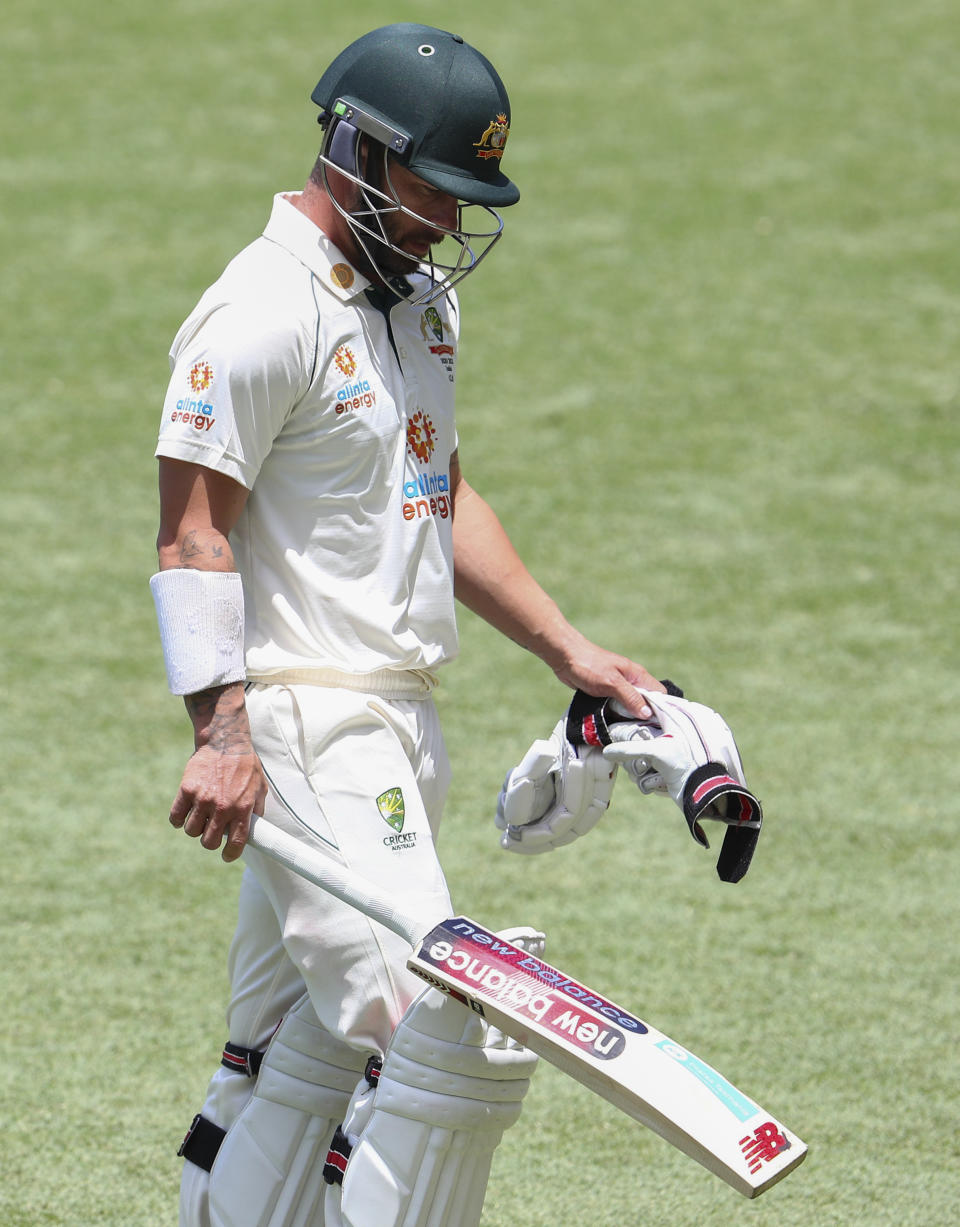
x=294, y=231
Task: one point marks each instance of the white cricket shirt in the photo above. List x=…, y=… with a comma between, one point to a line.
x=286, y=379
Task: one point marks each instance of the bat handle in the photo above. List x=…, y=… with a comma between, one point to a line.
x=344, y=884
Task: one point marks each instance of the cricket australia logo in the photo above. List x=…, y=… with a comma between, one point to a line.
x=431, y=321
x=764, y=1144
x=493, y=141
x=421, y=437
x=392, y=811
x=390, y=805
x=432, y=325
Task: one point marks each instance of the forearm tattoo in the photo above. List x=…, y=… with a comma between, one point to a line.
x=227, y=732
x=198, y=547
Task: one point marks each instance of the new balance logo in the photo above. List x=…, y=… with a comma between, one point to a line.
x=762, y=1145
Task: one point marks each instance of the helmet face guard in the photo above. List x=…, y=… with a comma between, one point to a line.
x=458, y=251
x=424, y=99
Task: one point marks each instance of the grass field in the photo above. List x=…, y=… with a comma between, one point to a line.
x=710, y=380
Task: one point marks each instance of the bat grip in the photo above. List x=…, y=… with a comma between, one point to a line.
x=336, y=880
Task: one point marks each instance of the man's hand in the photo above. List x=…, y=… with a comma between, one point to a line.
x=223, y=783
x=598, y=672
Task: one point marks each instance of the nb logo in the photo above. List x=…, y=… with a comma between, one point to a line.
x=763, y=1145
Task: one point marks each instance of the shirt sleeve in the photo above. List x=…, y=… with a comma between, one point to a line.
x=236, y=377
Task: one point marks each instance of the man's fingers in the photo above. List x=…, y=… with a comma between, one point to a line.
x=237, y=834
x=629, y=694
x=633, y=701
x=215, y=799
x=180, y=809
x=213, y=832
x=195, y=822
x=211, y=827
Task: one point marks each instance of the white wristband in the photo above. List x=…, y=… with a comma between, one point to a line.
x=200, y=614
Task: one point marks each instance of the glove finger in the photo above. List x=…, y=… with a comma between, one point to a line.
x=524, y=801
x=586, y=822
x=665, y=756
x=703, y=727
x=626, y=753
x=529, y=840
x=628, y=756
x=575, y=783
x=538, y=762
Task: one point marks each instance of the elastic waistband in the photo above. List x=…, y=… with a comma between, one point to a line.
x=390, y=683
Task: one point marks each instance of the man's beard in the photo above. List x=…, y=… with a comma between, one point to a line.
x=375, y=253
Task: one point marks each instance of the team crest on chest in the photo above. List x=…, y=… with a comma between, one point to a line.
x=431, y=326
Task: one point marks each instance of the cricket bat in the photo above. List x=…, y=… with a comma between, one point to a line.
x=602, y=1045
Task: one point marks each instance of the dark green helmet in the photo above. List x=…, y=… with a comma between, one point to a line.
x=431, y=98
x=426, y=100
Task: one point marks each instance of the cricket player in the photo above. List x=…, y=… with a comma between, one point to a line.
x=315, y=526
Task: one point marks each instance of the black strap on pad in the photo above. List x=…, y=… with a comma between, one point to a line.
x=202, y=1142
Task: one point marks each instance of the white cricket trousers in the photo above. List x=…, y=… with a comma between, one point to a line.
x=363, y=779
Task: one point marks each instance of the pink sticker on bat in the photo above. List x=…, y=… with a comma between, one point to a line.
x=492, y=970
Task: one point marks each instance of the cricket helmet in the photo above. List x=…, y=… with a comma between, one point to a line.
x=437, y=100
x=424, y=98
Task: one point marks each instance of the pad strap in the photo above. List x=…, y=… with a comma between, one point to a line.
x=243, y=1060
x=341, y=1146
x=202, y=1142
x=335, y=1165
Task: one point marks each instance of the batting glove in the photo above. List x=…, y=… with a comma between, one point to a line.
x=557, y=793
x=686, y=752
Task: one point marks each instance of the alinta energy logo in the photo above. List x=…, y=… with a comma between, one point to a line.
x=421, y=437
x=198, y=412
x=356, y=395
x=201, y=376
x=346, y=363
x=426, y=494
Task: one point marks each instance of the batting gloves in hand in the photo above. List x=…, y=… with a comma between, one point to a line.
x=557, y=793
x=687, y=752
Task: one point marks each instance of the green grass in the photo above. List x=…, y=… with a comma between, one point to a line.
x=710, y=382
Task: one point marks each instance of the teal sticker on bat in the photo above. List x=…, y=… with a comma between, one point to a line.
x=741, y=1107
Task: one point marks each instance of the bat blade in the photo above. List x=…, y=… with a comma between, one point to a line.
x=612, y=1052
x=609, y=1050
